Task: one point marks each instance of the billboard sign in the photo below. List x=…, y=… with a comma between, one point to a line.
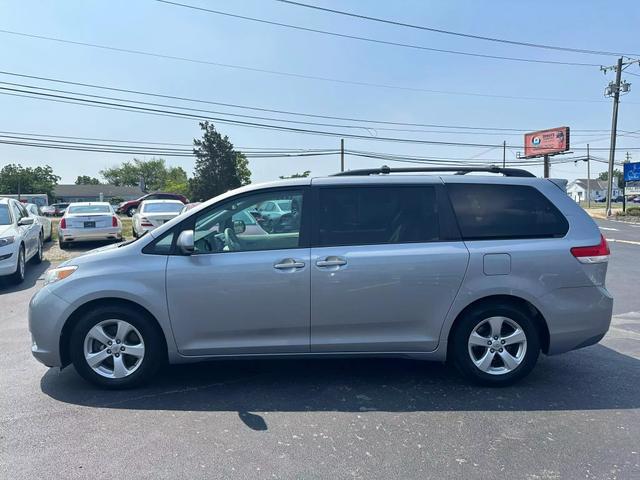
x=631, y=172
x=546, y=142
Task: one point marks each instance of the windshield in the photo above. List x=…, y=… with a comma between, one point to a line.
x=5, y=218
x=162, y=207
x=83, y=209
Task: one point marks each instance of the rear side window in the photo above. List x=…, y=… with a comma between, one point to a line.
x=487, y=212
x=377, y=215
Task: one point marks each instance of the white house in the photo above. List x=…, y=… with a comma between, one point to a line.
x=577, y=189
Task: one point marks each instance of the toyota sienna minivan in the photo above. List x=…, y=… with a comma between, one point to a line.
x=484, y=271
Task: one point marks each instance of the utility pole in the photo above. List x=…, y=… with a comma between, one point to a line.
x=588, y=178
x=504, y=154
x=342, y=154
x=614, y=127
x=613, y=90
x=546, y=166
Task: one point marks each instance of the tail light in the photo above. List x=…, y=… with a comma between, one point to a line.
x=63, y=223
x=114, y=221
x=593, y=254
x=144, y=221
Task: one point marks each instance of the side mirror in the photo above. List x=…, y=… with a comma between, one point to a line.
x=239, y=226
x=26, y=221
x=185, y=242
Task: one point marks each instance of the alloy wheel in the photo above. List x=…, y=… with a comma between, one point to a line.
x=114, y=348
x=497, y=345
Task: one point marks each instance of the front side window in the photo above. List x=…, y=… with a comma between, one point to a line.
x=487, y=212
x=377, y=215
x=17, y=212
x=237, y=225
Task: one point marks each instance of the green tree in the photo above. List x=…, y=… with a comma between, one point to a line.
x=617, y=174
x=177, y=181
x=304, y=174
x=16, y=179
x=87, y=180
x=219, y=167
x=151, y=174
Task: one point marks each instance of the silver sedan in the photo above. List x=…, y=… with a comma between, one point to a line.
x=89, y=221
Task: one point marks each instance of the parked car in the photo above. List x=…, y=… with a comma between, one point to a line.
x=154, y=213
x=20, y=240
x=189, y=206
x=89, y=221
x=45, y=223
x=270, y=212
x=54, y=210
x=129, y=208
x=483, y=271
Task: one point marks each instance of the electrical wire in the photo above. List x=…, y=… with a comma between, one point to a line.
x=449, y=32
x=377, y=41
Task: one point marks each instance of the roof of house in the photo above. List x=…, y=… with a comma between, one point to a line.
x=96, y=190
x=593, y=184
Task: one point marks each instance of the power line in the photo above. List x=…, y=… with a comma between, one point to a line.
x=284, y=112
x=172, y=113
x=449, y=32
x=375, y=40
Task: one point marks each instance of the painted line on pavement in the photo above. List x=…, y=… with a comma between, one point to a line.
x=630, y=242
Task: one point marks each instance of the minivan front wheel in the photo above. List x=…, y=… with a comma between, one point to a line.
x=496, y=345
x=116, y=347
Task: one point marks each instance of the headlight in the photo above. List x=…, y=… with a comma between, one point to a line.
x=4, y=241
x=57, y=274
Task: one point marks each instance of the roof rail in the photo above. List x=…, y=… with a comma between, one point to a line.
x=507, y=172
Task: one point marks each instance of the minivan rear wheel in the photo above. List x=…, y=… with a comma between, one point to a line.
x=495, y=345
x=116, y=347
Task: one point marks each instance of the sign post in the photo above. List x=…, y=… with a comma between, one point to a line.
x=545, y=143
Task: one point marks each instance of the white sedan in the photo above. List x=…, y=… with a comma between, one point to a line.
x=34, y=211
x=20, y=240
x=89, y=221
x=153, y=213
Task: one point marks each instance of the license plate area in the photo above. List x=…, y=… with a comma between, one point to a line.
x=89, y=224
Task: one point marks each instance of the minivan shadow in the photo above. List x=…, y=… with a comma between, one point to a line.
x=590, y=379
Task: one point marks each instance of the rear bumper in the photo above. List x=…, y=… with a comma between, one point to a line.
x=88, y=234
x=576, y=317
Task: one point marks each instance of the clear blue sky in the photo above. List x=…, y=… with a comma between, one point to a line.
x=151, y=26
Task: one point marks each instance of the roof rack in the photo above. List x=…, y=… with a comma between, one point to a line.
x=507, y=172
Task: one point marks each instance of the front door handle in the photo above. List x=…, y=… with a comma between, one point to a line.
x=331, y=262
x=289, y=263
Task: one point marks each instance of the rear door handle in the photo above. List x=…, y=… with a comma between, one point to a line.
x=288, y=263
x=331, y=262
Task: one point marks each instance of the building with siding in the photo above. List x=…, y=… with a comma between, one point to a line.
x=95, y=193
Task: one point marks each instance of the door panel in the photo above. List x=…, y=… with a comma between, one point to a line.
x=384, y=297
x=239, y=302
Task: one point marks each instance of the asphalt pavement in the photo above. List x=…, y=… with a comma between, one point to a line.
x=576, y=416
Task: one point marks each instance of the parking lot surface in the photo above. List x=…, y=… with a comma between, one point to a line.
x=576, y=416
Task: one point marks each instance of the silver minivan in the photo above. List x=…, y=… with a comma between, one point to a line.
x=484, y=271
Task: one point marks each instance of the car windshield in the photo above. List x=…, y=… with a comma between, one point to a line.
x=5, y=218
x=162, y=207
x=83, y=209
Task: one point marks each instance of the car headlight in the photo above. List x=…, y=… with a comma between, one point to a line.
x=4, y=241
x=57, y=274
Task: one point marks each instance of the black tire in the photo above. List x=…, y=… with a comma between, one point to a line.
x=17, y=277
x=154, y=355
x=131, y=211
x=63, y=245
x=459, y=346
x=39, y=256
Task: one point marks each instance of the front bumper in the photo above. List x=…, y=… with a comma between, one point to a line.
x=8, y=260
x=577, y=317
x=47, y=314
x=89, y=234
